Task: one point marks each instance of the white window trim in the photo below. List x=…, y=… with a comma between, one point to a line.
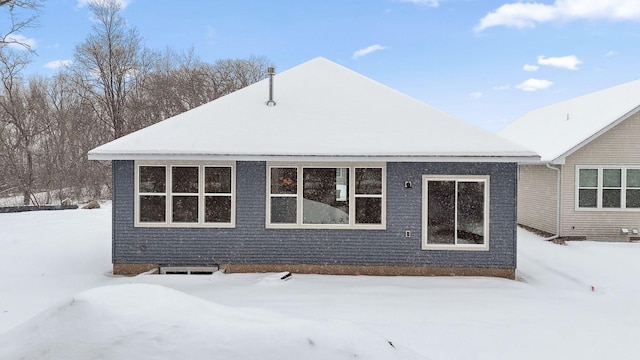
x=600, y=188
x=425, y=214
x=168, y=165
x=299, y=196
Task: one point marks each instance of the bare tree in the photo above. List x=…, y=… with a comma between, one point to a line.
x=177, y=84
x=17, y=165
x=108, y=60
x=20, y=123
x=17, y=15
x=183, y=81
x=230, y=75
x=139, y=105
x=71, y=133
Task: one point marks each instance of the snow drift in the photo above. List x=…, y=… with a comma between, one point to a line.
x=144, y=321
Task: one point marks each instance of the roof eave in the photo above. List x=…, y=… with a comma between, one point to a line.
x=510, y=158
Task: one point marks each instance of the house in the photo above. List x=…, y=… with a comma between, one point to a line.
x=587, y=185
x=317, y=169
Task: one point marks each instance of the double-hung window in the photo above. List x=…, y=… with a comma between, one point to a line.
x=185, y=194
x=152, y=194
x=607, y=188
x=455, y=212
x=323, y=196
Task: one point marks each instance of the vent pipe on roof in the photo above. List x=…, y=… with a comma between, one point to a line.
x=271, y=71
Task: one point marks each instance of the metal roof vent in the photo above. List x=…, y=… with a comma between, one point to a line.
x=271, y=71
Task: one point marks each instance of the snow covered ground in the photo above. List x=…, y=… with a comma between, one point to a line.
x=59, y=301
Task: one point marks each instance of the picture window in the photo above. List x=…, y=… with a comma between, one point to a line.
x=345, y=196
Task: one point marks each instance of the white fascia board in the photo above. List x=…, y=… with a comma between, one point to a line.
x=320, y=158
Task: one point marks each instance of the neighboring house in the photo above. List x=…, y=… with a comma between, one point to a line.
x=587, y=185
x=333, y=173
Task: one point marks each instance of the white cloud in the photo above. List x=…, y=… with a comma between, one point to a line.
x=611, y=53
x=83, y=3
x=528, y=14
x=57, y=64
x=427, y=3
x=17, y=41
x=519, y=15
x=476, y=95
x=570, y=62
x=528, y=67
x=534, y=85
x=367, y=51
x=502, y=87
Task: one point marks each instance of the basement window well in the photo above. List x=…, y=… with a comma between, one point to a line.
x=188, y=270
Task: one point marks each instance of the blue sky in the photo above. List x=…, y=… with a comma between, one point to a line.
x=485, y=61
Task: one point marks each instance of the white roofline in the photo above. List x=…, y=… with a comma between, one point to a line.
x=561, y=159
x=525, y=158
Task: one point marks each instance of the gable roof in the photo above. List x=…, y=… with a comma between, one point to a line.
x=322, y=110
x=558, y=130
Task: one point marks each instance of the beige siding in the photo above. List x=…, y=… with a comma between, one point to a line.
x=619, y=146
x=537, y=197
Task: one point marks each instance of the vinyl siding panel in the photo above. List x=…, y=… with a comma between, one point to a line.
x=251, y=243
x=537, y=197
x=618, y=146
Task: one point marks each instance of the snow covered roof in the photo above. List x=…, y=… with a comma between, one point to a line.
x=558, y=130
x=323, y=111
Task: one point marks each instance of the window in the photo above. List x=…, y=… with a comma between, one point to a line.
x=612, y=188
x=185, y=195
x=588, y=188
x=368, y=195
x=152, y=193
x=632, y=198
x=317, y=196
x=217, y=194
x=604, y=188
x=456, y=212
x=284, y=195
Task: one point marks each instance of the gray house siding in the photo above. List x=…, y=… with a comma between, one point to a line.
x=251, y=243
